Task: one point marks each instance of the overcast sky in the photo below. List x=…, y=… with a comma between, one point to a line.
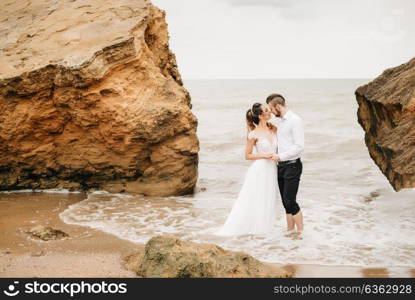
x=289, y=38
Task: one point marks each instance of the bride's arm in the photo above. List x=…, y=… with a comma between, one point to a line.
x=248, y=151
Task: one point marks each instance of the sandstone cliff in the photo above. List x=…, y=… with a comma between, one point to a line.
x=387, y=114
x=91, y=97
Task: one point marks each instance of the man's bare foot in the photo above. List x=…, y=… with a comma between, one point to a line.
x=295, y=235
x=290, y=222
x=298, y=220
x=289, y=232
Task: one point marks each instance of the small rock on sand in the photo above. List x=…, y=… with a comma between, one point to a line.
x=46, y=233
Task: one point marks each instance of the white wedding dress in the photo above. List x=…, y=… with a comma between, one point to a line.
x=255, y=210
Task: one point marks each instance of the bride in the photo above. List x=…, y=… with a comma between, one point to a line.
x=255, y=209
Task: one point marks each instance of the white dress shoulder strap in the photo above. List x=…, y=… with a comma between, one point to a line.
x=252, y=135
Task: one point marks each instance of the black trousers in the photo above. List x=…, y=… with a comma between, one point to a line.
x=288, y=181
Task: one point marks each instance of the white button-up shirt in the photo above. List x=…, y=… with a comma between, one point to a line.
x=290, y=134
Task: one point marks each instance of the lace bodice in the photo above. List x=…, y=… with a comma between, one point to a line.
x=264, y=144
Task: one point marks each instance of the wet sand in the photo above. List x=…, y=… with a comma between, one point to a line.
x=92, y=253
x=85, y=253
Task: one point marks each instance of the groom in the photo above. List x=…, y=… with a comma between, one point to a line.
x=290, y=134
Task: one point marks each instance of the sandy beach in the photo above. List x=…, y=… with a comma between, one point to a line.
x=92, y=253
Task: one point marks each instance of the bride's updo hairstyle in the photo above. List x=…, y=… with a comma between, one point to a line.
x=252, y=115
x=250, y=120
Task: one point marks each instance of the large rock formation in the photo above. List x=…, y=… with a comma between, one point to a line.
x=387, y=114
x=91, y=97
x=167, y=256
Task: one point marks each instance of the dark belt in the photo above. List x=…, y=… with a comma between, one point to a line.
x=286, y=162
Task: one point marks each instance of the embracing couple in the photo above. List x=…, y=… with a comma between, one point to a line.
x=275, y=142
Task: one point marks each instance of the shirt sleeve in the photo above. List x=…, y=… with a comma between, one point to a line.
x=298, y=146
